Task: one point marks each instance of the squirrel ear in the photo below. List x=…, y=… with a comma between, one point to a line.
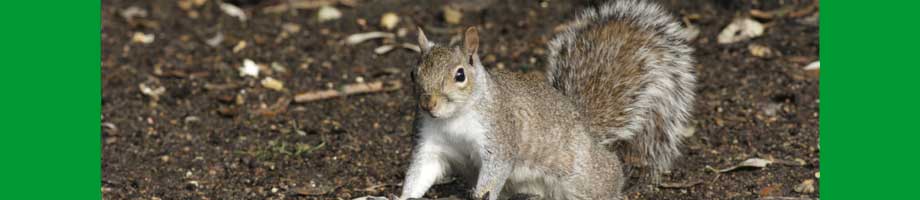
x=423, y=43
x=471, y=40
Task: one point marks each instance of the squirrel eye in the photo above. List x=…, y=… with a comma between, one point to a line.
x=459, y=76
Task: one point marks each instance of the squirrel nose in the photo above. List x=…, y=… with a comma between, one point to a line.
x=426, y=102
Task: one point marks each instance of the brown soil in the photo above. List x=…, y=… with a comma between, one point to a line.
x=204, y=142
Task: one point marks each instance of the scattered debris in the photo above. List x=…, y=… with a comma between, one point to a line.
x=280, y=106
x=679, y=185
x=350, y=89
x=239, y=46
x=771, y=190
x=807, y=186
x=816, y=65
x=452, y=15
x=370, y=198
x=759, y=14
x=112, y=129
x=327, y=13
x=153, y=92
x=384, y=49
x=218, y=87
x=249, y=68
x=739, y=30
x=273, y=84
x=761, y=51
x=807, y=10
x=813, y=69
x=290, y=5
x=184, y=4
x=290, y=27
x=215, y=41
x=228, y=111
x=278, y=67
x=191, y=119
x=749, y=163
x=142, y=38
x=314, y=190
x=233, y=11
x=361, y=37
x=389, y=20
x=387, y=48
x=133, y=12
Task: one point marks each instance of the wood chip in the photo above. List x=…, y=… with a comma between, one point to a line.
x=273, y=84
x=350, y=89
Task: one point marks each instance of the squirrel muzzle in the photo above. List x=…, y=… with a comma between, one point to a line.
x=427, y=103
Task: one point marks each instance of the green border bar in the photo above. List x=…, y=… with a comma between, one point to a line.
x=50, y=99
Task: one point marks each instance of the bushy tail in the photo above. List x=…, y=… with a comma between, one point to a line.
x=627, y=65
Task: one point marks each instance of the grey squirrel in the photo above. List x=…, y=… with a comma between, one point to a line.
x=621, y=72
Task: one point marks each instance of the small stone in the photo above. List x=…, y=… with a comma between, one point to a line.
x=142, y=38
x=249, y=68
x=760, y=51
x=290, y=27
x=327, y=13
x=191, y=119
x=273, y=84
x=389, y=20
x=239, y=46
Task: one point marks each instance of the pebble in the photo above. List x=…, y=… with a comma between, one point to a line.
x=389, y=20
x=273, y=84
x=451, y=15
x=142, y=38
x=327, y=13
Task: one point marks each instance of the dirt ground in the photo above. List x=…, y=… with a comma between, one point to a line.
x=212, y=134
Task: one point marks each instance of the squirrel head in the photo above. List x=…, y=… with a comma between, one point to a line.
x=446, y=77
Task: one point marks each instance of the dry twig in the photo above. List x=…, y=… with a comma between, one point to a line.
x=350, y=89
